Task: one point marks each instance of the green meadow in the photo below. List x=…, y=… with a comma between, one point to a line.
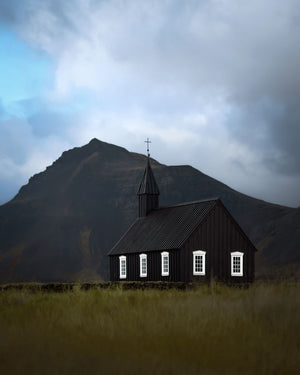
x=208, y=330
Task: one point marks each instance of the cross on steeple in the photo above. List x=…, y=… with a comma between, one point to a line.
x=148, y=142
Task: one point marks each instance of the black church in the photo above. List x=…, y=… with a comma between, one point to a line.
x=192, y=241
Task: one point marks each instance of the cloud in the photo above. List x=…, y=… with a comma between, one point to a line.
x=222, y=77
x=23, y=154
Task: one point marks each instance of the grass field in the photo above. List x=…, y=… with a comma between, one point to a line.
x=211, y=330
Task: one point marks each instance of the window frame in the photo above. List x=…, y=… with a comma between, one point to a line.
x=202, y=254
x=122, y=258
x=143, y=257
x=240, y=256
x=165, y=255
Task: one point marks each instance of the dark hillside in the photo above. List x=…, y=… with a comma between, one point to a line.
x=61, y=225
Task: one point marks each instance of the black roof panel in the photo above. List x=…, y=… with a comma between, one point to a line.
x=164, y=229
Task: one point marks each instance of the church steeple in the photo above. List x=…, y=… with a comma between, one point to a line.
x=148, y=191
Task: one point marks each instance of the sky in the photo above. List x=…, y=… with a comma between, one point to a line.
x=213, y=83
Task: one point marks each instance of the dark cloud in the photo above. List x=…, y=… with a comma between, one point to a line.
x=271, y=129
x=235, y=64
x=14, y=12
x=16, y=140
x=48, y=122
x=286, y=135
x=11, y=10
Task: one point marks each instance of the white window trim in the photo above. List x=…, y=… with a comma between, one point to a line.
x=143, y=256
x=165, y=254
x=202, y=254
x=240, y=255
x=121, y=259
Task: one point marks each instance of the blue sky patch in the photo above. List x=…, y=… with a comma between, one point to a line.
x=24, y=73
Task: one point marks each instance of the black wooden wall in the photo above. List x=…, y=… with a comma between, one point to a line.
x=218, y=235
x=147, y=202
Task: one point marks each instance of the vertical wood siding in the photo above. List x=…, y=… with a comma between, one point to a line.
x=147, y=202
x=218, y=235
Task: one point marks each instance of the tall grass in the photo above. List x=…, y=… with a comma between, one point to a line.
x=210, y=330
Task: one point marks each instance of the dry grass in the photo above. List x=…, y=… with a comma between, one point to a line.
x=211, y=330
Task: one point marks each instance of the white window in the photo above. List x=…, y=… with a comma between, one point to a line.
x=123, y=267
x=165, y=263
x=143, y=265
x=199, y=262
x=237, y=263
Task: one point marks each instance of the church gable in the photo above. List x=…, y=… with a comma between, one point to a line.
x=220, y=236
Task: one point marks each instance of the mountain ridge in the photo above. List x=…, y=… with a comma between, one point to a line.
x=61, y=224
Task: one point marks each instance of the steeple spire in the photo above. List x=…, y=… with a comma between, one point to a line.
x=148, y=191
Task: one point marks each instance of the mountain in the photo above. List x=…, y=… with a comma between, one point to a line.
x=61, y=225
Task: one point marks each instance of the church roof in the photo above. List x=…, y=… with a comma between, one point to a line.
x=148, y=184
x=165, y=228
